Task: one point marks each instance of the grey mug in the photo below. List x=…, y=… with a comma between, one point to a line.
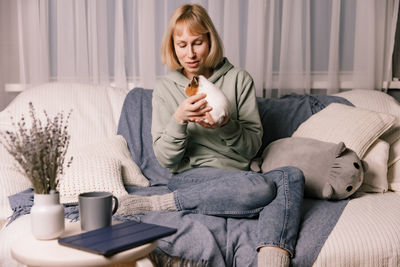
x=96, y=209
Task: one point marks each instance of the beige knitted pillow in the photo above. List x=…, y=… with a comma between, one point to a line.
x=116, y=147
x=11, y=182
x=358, y=128
x=91, y=173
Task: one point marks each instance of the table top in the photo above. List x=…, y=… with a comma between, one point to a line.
x=33, y=252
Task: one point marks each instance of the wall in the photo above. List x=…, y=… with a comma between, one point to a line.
x=9, y=70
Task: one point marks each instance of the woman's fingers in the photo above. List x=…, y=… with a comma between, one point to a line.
x=196, y=102
x=192, y=107
x=195, y=98
x=210, y=120
x=206, y=121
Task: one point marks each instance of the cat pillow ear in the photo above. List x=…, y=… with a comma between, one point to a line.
x=327, y=191
x=341, y=147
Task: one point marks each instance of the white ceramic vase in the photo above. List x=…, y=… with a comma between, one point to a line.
x=47, y=216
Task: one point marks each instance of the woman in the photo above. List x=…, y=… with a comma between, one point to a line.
x=210, y=161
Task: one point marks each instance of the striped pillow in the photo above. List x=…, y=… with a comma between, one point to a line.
x=358, y=128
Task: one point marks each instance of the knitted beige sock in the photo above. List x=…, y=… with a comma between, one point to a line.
x=132, y=204
x=272, y=258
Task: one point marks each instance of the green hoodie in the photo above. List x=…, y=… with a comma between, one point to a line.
x=181, y=146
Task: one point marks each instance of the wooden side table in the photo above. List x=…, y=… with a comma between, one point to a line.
x=32, y=252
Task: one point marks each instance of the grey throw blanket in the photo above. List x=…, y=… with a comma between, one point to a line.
x=221, y=241
x=210, y=240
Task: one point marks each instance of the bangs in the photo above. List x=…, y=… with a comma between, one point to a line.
x=195, y=27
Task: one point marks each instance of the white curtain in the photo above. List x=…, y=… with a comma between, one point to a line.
x=285, y=45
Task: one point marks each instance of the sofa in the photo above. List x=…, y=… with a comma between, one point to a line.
x=365, y=232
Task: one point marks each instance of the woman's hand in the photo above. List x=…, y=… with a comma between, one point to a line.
x=211, y=124
x=195, y=109
x=192, y=109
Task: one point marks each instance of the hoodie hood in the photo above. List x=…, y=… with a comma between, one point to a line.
x=222, y=68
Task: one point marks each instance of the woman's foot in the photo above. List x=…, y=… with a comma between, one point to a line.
x=133, y=204
x=273, y=257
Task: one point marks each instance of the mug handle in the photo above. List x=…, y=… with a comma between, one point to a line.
x=115, y=205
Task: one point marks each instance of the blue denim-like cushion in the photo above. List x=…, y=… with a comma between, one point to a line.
x=280, y=117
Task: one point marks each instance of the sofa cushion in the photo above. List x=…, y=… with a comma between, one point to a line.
x=91, y=173
x=394, y=166
x=12, y=182
x=117, y=148
x=380, y=102
x=95, y=109
x=376, y=179
x=358, y=128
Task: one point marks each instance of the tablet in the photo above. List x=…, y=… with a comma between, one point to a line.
x=110, y=240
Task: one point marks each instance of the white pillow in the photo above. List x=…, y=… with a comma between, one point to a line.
x=358, y=128
x=380, y=102
x=394, y=177
x=116, y=147
x=375, y=179
x=91, y=173
x=394, y=166
x=95, y=109
x=394, y=153
x=11, y=182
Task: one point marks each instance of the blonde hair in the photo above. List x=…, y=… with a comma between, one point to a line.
x=198, y=21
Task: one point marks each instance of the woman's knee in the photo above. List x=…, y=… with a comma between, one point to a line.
x=294, y=174
x=263, y=190
x=288, y=174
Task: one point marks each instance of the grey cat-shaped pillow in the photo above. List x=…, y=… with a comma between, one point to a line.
x=331, y=170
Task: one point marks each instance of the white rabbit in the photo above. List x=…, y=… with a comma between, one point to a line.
x=215, y=97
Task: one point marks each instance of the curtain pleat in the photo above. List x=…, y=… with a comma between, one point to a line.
x=147, y=50
x=81, y=42
x=93, y=50
x=119, y=46
x=255, y=43
x=270, y=25
x=22, y=40
x=291, y=63
x=66, y=45
x=391, y=23
x=333, y=65
x=231, y=31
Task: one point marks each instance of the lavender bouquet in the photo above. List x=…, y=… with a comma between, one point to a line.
x=40, y=150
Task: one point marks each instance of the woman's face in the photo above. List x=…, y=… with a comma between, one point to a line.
x=191, y=50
